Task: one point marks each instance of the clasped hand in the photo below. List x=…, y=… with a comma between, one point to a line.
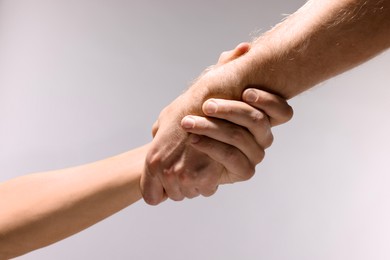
x=192, y=154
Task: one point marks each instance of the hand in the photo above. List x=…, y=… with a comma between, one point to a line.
x=224, y=58
x=173, y=160
x=170, y=154
x=235, y=134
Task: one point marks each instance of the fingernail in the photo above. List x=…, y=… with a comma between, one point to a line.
x=211, y=107
x=188, y=122
x=195, y=139
x=250, y=96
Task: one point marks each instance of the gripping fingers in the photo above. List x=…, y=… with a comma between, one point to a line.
x=274, y=106
x=242, y=114
x=225, y=132
x=171, y=185
x=152, y=190
x=208, y=191
x=237, y=165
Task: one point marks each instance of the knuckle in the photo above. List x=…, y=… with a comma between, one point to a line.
x=258, y=117
x=177, y=198
x=208, y=180
x=248, y=173
x=192, y=196
x=171, y=169
x=260, y=156
x=251, y=172
x=209, y=192
x=289, y=113
x=167, y=173
x=187, y=178
x=193, y=193
x=150, y=200
x=269, y=140
x=183, y=179
x=285, y=113
x=208, y=189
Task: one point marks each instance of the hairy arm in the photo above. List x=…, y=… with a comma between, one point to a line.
x=322, y=39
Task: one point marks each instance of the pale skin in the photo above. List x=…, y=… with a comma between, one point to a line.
x=42, y=208
x=321, y=40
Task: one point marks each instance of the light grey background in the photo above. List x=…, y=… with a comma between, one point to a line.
x=83, y=80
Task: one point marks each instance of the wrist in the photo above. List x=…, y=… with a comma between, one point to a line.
x=225, y=82
x=270, y=67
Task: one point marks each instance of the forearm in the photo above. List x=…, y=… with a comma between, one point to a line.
x=322, y=39
x=43, y=208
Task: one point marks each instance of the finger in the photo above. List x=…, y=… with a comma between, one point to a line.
x=274, y=106
x=196, y=178
x=225, y=132
x=208, y=191
x=228, y=56
x=200, y=185
x=151, y=189
x=160, y=176
x=237, y=165
x=190, y=191
x=171, y=186
x=241, y=114
x=204, y=178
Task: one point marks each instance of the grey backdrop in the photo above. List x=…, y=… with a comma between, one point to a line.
x=83, y=80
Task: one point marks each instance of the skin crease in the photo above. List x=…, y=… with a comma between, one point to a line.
x=321, y=40
x=43, y=208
